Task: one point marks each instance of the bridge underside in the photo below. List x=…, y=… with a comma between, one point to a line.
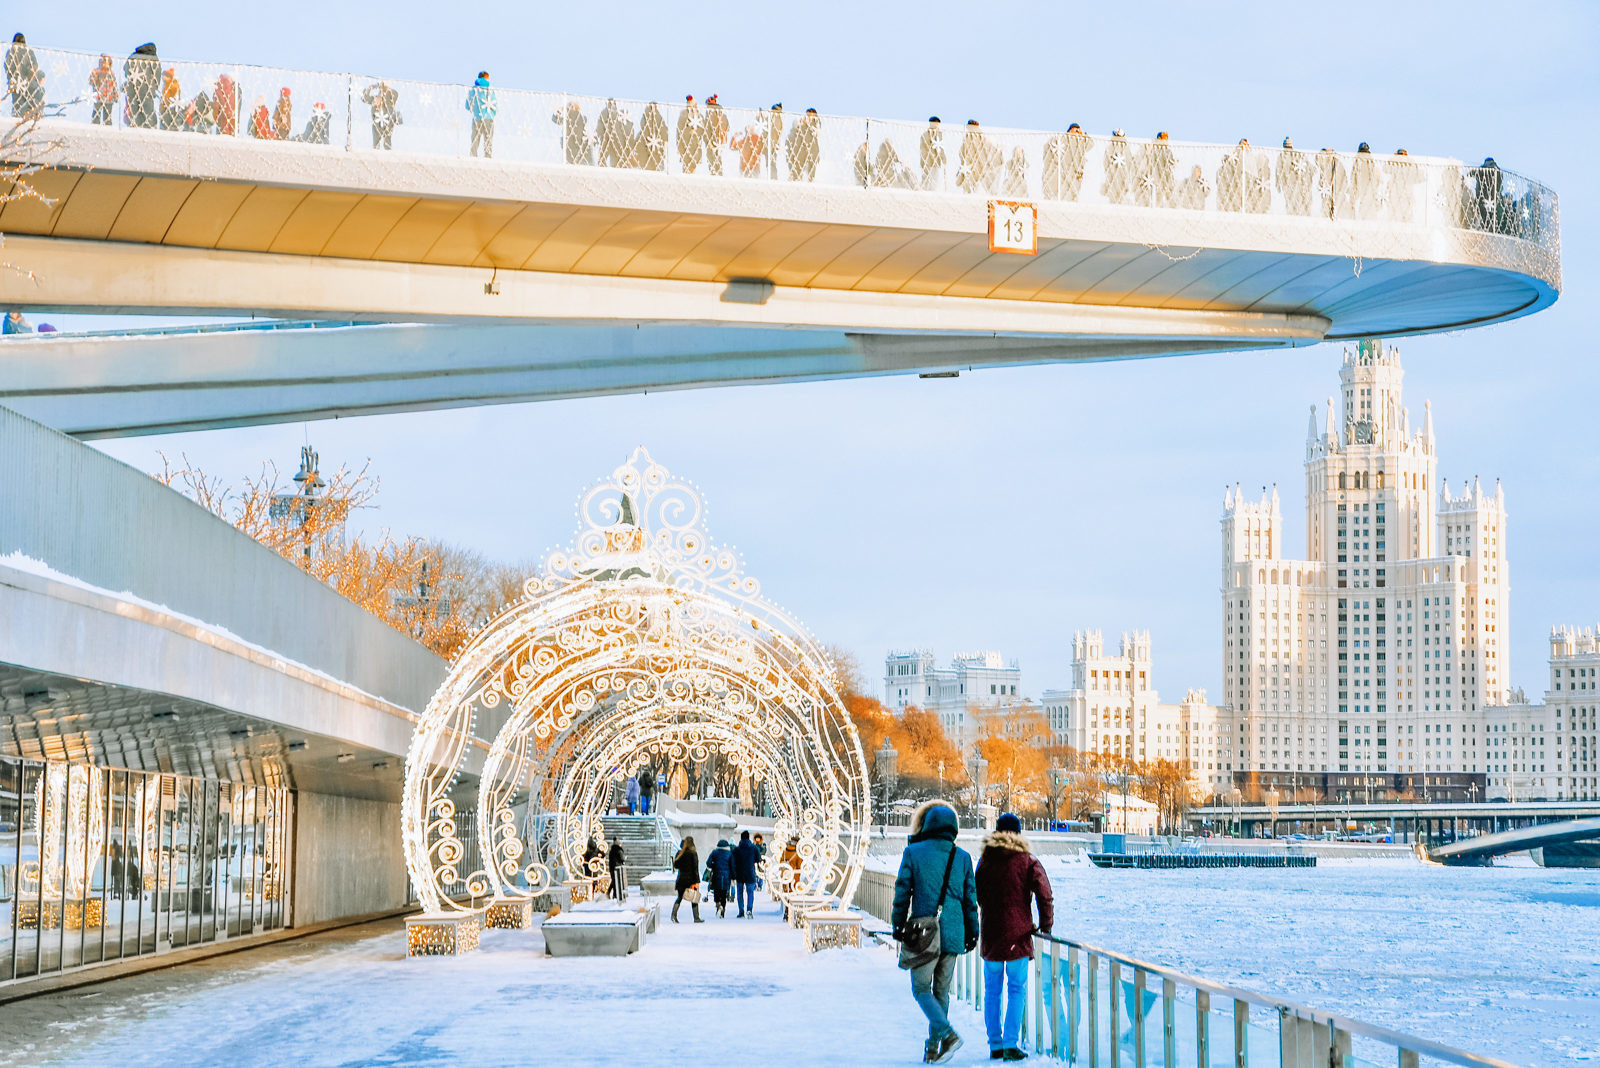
x=99, y=386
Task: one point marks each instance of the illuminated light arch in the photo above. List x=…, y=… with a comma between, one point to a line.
x=644, y=640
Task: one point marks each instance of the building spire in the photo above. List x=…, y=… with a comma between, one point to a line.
x=1311, y=429
x=1427, y=421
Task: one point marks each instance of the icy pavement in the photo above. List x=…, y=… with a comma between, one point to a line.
x=724, y=992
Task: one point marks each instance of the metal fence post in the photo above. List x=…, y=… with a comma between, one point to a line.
x=1114, y=1017
x=1038, y=998
x=1138, y=1016
x=1241, y=1034
x=1407, y=1058
x=1073, y=1013
x=1055, y=999
x=1092, y=973
x=1202, y=1028
x=1169, y=1023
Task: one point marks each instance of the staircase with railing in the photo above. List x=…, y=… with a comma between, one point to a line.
x=647, y=844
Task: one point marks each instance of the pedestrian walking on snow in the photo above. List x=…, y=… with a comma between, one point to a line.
x=1010, y=880
x=631, y=794
x=687, y=865
x=647, y=790
x=617, y=863
x=935, y=919
x=719, y=874
x=745, y=858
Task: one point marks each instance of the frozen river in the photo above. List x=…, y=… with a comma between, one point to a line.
x=1502, y=961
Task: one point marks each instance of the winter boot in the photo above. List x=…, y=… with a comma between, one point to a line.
x=946, y=1048
x=675, y=905
x=696, y=908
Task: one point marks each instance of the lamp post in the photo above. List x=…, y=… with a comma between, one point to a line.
x=978, y=769
x=886, y=761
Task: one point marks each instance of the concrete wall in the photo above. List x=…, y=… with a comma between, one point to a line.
x=110, y=525
x=347, y=858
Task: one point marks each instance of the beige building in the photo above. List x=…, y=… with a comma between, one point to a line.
x=972, y=683
x=1381, y=650
x=1113, y=708
x=1548, y=751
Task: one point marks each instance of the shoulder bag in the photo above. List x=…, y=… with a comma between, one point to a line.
x=921, y=942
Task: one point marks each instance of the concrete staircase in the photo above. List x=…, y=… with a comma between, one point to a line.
x=646, y=843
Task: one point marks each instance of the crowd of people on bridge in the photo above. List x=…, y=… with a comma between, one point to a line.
x=703, y=138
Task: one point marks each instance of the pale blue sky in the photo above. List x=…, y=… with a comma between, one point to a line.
x=1005, y=508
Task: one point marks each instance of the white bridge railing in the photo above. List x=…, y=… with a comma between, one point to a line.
x=358, y=113
x=1091, y=1006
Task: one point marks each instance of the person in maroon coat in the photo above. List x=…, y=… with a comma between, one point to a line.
x=1008, y=876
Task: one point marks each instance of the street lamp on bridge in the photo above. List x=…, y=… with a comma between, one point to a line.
x=886, y=762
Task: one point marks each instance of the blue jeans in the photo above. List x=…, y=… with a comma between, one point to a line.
x=644, y=804
x=747, y=898
x=1013, y=976
x=930, y=987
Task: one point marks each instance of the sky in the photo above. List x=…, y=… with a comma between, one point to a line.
x=1006, y=508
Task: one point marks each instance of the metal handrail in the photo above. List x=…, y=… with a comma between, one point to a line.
x=1399, y=1040
x=1059, y=1037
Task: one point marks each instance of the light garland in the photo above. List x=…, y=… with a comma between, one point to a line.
x=644, y=640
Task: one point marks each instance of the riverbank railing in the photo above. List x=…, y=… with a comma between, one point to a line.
x=360, y=113
x=1092, y=1006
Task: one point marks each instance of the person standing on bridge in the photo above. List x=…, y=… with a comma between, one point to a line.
x=482, y=104
x=935, y=919
x=687, y=865
x=384, y=101
x=714, y=133
x=1009, y=875
x=141, y=86
x=24, y=80
x=631, y=795
x=745, y=858
x=103, y=82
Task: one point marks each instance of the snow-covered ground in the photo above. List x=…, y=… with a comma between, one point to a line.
x=1503, y=961
x=725, y=992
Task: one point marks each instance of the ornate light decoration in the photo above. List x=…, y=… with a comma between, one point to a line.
x=68, y=855
x=641, y=642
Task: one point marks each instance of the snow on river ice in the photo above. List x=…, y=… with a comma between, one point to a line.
x=1498, y=961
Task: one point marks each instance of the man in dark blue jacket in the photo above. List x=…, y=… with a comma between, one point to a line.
x=745, y=856
x=719, y=873
x=931, y=851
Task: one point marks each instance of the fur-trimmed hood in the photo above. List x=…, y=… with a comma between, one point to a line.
x=942, y=821
x=1011, y=840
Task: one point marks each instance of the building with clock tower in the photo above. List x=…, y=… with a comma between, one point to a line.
x=1375, y=656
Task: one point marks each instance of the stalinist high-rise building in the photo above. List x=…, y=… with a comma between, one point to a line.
x=1377, y=654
